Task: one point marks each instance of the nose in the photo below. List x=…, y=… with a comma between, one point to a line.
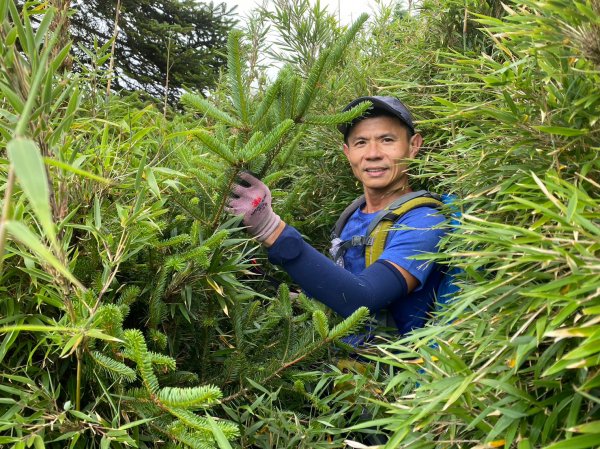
x=373, y=151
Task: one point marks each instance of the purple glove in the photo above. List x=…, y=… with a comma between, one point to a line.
x=254, y=203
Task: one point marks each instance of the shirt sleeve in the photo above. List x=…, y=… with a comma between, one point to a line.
x=419, y=231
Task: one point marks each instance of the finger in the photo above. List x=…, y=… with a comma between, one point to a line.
x=231, y=210
x=239, y=190
x=251, y=173
x=235, y=203
x=249, y=178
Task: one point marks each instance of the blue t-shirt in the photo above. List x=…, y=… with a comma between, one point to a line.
x=416, y=232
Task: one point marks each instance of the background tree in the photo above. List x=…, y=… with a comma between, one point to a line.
x=182, y=41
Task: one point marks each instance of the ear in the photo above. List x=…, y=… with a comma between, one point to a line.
x=415, y=144
x=346, y=150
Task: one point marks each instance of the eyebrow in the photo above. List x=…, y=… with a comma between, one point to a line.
x=379, y=136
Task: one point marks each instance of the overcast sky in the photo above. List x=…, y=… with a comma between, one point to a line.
x=350, y=9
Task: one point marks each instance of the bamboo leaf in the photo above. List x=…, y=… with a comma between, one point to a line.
x=578, y=442
x=590, y=427
x=562, y=131
x=457, y=393
x=22, y=234
x=152, y=182
x=75, y=170
x=25, y=156
x=218, y=434
x=44, y=25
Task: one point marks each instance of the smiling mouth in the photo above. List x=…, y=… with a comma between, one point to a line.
x=375, y=170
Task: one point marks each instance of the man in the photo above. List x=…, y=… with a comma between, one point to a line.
x=378, y=146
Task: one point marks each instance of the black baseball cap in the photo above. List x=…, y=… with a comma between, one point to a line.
x=390, y=105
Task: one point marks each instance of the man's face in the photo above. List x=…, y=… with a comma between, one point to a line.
x=377, y=150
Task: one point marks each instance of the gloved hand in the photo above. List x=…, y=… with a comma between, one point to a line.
x=253, y=201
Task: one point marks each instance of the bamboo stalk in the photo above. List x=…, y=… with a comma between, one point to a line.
x=5, y=209
x=112, y=48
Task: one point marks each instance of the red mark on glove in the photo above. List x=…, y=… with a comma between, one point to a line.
x=256, y=201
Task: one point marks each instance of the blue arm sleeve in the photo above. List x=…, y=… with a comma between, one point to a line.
x=376, y=287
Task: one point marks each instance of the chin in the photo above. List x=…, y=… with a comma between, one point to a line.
x=377, y=185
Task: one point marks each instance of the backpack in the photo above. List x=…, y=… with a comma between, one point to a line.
x=378, y=230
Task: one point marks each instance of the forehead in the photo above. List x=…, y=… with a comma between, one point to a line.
x=378, y=125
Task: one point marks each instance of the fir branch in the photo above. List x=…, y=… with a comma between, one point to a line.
x=305, y=349
x=268, y=99
x=213, y=166
x=285, y=305
x=321, y=323
x=308, y=304
x=190, y=398
x=224, y=194
x=185, y=205
x=115, y=369
x=214, y=145
x=215, y=241
x=310, y=86
x=158, y=339
x=181, y=239
x=313, y=399
x=180, y=378
x=201, y=424
x=284, y=155
x=205, y=178
x=162, y=361
x=289, y=97
x=156, y=307
x=109, y=317
x=178, y=432
x=207, y=108
x=349, y=325
x=256, y=137
x=250, y=152
x=129, y=295
x=234, y=72
x=342, y=117
x=338, y=50
x=197, y=255
x=195, y=230
x=274, y=177
x=138, y=352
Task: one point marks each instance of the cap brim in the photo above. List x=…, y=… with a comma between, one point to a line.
x=377, y=103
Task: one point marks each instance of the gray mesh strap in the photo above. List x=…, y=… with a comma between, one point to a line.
x=356, y=240
x=341, y=222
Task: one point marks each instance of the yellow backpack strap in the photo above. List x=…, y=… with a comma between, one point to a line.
x=381, y=228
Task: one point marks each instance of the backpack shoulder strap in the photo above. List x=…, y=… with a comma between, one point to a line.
x=381, y=224
x=341, y=221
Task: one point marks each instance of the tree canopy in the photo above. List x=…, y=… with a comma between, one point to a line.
x=181, y=41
